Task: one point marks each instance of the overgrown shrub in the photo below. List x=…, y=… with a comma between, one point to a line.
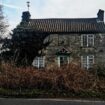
x=100, y=70
x=67, y=78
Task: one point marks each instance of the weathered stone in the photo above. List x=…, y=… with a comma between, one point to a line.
x=72, y=42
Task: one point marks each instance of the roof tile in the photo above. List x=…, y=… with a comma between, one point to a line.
x=64, y=25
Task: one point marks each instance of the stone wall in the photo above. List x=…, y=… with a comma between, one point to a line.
x=72, y=42
x=100, y=49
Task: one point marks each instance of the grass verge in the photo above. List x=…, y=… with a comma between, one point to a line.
x=37, y=93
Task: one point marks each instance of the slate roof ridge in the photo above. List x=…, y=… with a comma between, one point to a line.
x=63, y=18
x=66, y=19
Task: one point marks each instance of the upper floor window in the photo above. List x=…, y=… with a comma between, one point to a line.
x=87, y=40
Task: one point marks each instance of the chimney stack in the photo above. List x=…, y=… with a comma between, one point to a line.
x=100, y=15
x=26, y=16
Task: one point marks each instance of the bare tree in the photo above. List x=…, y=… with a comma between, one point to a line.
x=3, y=23
x=3, y=29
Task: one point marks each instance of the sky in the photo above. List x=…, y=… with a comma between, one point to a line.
x=50, y=9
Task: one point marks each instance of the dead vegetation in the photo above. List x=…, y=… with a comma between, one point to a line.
x=68, y=78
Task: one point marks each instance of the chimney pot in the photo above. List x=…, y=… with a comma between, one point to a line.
x=100, y=15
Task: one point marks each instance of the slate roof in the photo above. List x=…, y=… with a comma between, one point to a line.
x=64, y=25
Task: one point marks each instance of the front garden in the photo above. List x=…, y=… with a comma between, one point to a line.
x=66, y=82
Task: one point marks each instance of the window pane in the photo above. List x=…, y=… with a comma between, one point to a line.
x=63, y=60
x=90, y=40
x=84, y=40
x=87, y=61
x=84, y=61
x=91, y=61
x=87, y=40
x=35, y=62
x=41, y=61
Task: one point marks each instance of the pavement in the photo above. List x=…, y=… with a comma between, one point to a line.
x=8, y=101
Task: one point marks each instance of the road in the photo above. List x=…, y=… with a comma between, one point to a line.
x=4, y=101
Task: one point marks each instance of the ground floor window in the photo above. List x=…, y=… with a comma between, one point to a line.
x=39, y=62
x=62, y=56
x=87, y=61
x=62, y=60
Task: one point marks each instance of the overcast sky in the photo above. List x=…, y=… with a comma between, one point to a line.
x=51, y=9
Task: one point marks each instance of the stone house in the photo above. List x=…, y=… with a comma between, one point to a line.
x=77, y=40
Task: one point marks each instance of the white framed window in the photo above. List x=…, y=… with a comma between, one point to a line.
x=87, y=61
x=62, y=60
x=87, y=40
x=39, y=62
